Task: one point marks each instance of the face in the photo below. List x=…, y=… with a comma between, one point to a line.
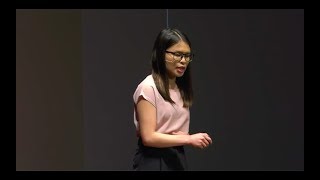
x=176, y=68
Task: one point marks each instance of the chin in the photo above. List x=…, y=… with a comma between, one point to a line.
x=179, y=75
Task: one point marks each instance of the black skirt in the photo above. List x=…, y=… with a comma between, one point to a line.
x=159, y=159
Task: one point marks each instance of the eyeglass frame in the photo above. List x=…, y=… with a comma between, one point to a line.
x=174, y=55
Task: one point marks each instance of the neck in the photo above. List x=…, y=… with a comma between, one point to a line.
x=172, y=83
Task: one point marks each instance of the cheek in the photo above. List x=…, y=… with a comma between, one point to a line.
x=170, y=66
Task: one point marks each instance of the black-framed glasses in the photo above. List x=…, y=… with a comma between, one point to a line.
x=177, y=56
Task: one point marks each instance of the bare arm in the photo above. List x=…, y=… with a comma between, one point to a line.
x=147, y=121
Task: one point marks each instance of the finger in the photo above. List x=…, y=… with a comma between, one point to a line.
x=208, y=138
x=206, y=142
x=204, y=139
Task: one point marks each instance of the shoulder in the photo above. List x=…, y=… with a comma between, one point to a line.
x=147, y=82
x=147, y=89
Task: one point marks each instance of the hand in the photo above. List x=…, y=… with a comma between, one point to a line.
x=200, y=140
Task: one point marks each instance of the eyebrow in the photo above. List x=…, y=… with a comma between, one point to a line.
x=181, y=52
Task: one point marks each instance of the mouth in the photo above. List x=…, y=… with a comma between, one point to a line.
x=181, y=69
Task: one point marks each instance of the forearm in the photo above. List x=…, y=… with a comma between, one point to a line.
x=160, y=140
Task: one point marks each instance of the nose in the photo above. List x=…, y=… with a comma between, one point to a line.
x=184, y=60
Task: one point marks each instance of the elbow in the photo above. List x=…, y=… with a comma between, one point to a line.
x=147, y=140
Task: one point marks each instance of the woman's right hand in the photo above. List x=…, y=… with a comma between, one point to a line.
x=200, y=140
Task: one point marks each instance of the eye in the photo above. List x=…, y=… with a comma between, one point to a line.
x=177, y=54
x=187, y=55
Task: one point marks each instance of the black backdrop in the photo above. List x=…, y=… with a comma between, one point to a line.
x=77, y=71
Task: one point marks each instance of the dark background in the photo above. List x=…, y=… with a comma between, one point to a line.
x=76, y=71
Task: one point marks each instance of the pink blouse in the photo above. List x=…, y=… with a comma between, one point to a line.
x=170, y=117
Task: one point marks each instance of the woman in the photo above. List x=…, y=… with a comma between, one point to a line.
x=161, y=106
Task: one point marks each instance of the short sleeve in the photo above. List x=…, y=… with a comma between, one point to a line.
x=147, y=92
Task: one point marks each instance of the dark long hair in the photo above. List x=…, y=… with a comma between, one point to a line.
x=165, y=39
